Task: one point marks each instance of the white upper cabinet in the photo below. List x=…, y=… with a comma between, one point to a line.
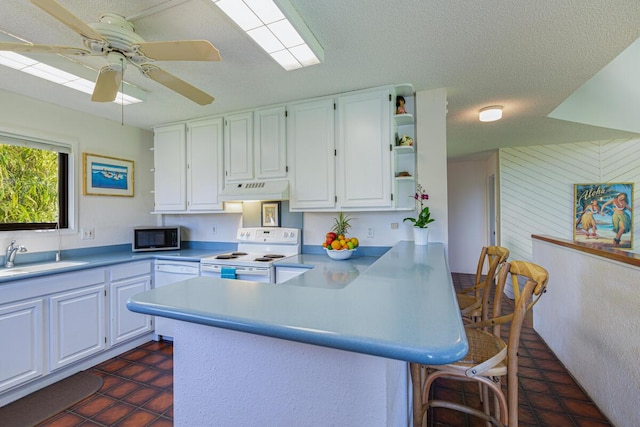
x=205, y=165
x=311, y=148
x=363, y=172
x=270, y=143
x=188, y=166
x=169, y=168
x=238, y=147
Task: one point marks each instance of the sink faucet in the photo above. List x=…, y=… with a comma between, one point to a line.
x=12, y=250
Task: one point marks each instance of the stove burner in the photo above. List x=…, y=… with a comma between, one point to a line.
x=227, y=256
x=263, y=259
x=273, y=256
x=239, y=253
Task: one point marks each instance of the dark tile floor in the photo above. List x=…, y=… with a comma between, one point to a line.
x=138, y=390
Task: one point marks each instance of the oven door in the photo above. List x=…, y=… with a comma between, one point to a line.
x=255, y=274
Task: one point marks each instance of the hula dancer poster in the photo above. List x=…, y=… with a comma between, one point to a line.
x=603, y=214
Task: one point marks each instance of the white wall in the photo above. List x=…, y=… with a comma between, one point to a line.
x=468, y=214
x=589, y=318
x=536, y=187
x=112, y=217
x=431, y=147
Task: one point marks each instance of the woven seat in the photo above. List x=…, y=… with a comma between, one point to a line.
x=489, y=357
x=475, y=299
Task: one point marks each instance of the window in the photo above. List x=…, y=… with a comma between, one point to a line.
x=34, y=184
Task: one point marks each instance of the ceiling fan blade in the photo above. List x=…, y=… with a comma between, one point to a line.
x=43, y=48
x=180, y=50
x=107, y=85
x=177, y=85
x=54, y=9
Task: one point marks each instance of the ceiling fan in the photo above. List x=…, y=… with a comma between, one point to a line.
x=115, y=38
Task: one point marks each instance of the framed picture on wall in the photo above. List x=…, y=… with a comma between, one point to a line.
x=106, y=176
x=603, y=214
x=271, y=214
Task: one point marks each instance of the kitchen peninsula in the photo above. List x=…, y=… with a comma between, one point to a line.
x=310, y=349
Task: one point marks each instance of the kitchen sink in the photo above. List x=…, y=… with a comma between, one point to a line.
x=37, y=268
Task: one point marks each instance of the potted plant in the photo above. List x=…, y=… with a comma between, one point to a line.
x=421, y=223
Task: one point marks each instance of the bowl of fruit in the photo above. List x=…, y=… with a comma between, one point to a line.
x=337, y=245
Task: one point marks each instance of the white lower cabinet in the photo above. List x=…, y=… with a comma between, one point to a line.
x=76, y=325
x=55, y=325
x=22, y=332
x=126, y=281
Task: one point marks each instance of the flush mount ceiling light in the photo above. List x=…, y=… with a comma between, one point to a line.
x=277, y=28
x=491, y=114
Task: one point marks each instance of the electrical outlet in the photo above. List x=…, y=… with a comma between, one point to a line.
x=88, y=233
x=394, y=225
x=214, y=229
x=370, y=232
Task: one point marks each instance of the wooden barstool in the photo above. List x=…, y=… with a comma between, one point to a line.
x=474, y=301
x=490, y=357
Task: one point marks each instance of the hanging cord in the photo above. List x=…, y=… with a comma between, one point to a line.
x=122, y=94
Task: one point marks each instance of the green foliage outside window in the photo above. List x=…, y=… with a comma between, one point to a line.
x=28, y=185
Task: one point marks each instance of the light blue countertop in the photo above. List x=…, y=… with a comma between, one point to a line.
x=105, y=259
x=400, y=306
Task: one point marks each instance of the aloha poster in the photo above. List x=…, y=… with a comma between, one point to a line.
x=603, y=214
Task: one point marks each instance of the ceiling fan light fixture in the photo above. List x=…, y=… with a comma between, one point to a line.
x=268, y=21
x=491, y=113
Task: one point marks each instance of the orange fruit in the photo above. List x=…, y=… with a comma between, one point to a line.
x=340, y=237
x=336, y=245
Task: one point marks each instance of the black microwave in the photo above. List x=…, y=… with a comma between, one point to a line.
x=155, y=239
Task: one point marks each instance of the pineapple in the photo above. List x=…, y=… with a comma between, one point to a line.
x=341, y=224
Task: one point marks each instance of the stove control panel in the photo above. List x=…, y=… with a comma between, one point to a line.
x=269, y=234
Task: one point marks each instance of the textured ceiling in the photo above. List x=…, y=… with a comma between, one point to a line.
x=526, y=55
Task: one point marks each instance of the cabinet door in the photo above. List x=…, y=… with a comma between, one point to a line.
x=310, y=140
x=126, y=324
x=363, y=175
x=21, y=329
x=205, y=165
x=270, y=143
x=76, y=323
x=169, y=161
x=238, y=147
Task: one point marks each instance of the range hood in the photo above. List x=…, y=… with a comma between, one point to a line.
x=256, y=190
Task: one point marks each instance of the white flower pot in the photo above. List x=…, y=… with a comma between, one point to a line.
x=420, y=236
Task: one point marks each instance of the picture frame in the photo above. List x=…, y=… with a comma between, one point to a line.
x=271, y=214
x=603, y=215
x=106, y=176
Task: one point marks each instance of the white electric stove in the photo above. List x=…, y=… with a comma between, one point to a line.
x=258, y=248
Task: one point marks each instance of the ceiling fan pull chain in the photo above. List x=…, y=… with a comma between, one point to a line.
x=122, y=95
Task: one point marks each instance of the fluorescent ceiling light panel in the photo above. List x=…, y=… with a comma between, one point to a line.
x=277, y=28
x=56, y=75
x=286, y=60
x=266, y=39
x=240, y=13
x=267, y=11
x=285, y=32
